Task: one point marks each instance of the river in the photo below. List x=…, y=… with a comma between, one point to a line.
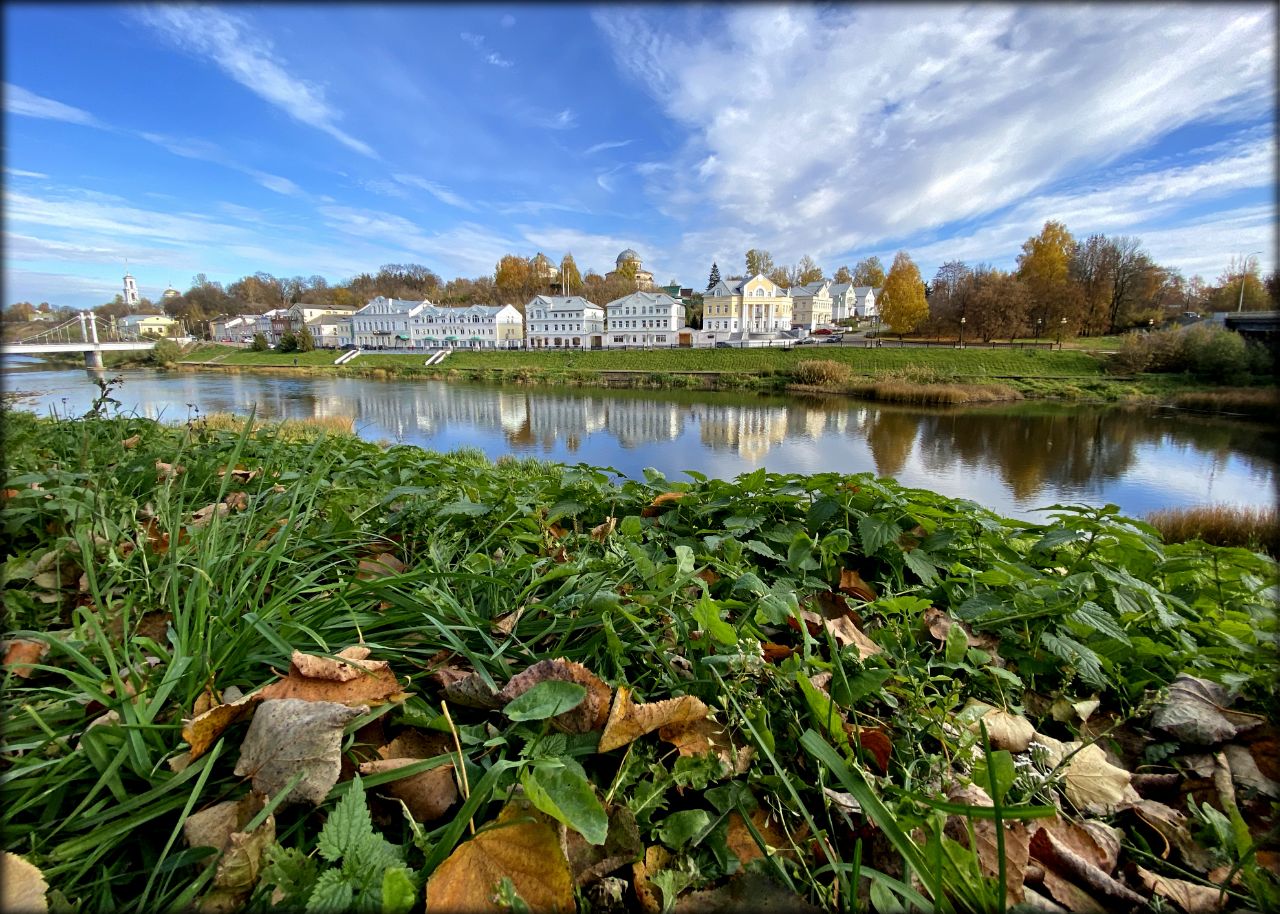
x=1012, y=458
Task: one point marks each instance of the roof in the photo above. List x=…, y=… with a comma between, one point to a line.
x=861, y=291
x=839, y=288
x=562, y=302
x=661, y=299
x=309, y=306
x=628, y=254
x=811, y=288
x=320, y=319
x=398, y=305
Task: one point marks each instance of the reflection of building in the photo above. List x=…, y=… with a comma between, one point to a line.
x=645, y=319
x=629, y=259
x=635, y=422
x=749, y=431
x=564, y=322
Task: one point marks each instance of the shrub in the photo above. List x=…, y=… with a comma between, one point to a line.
x=821, y=372
x=288, y=342
x=259, y=343
x=164, y=353
x=306, y=342
x=1210, y=353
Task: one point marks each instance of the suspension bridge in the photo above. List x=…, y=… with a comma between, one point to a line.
x=87, y=333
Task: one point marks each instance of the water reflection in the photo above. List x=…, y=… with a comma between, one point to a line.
x=1012, y=458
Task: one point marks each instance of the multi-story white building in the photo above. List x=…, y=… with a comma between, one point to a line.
x=733, y=309
x=467, y=327
x=811, y=305
x=564, y=322
x=645, y=319
x=865, y=301
x=330, y=331
x=384, y=323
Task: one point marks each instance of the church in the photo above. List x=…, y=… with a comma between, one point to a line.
x=644, y=279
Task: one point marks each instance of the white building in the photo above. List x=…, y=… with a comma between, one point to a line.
x=564, y=322
x=644, y=319
x=811, y=305
x=130, y=291
x=330, y=331
x=236, y=327
x=384, y=323
x=467, y=327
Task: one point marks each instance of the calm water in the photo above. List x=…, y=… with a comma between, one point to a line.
x=1013, y=459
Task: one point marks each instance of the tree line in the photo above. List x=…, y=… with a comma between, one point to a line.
x=1092, y=286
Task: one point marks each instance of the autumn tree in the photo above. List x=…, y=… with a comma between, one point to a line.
x=806, y=271
x=21, y=312
x=781, y=277
x=714, y=277
x=1272, y=283
x=627, y=271
x=513, y=278
x=996, y=306
x=842, y=276
x=1044, y=266
x=949, y=301
x=869, y=271
x=1227, y=295
x=902, y=303
x=570, y=278
x=759, y=261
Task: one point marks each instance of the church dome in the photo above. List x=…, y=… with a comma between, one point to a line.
x=627, y=255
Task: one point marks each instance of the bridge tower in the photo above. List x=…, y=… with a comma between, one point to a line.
x=89, y=321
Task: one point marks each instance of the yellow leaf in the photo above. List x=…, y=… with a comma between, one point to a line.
x=352, y=665
x=527, y=853
x=629, y=721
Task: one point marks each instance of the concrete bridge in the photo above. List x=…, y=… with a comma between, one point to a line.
x=87, y=333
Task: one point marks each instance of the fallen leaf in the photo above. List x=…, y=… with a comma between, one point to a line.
x=369, y=687
x=22, y=885
x=382, y=565
x=1244, y=771
x=628, y=721
x=352, y=664
x=602, y=532
x=698, y=737
x=204, y=729
x=775, y=653
x=1093, y=784
x=851, y=583
x=471, y=691
x=237, y=501
x=842, y=628
x=131, y=442
x=986, y=844
x=417, y=744
x=739, y=839
x=1171, y=826
x=209, y=512
x=648, y=895
x=591, y=714
x=214, y=826
x=873, y=741
x=590, y=862
x=528, y=853
x=427, y=795
x=939, y=624
x=1004, y=730
x=708, y=575
x=169, y=470
x=1058, y=857
x=1194, y=711
x=751, y=891
x=1192, y=898
x=507, y=623
x=290, y=735
x=240, y=474
x=666, y=498
x=21, y=653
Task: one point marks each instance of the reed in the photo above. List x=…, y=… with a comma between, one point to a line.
x=821, y=373
x=935, y=394
x=1256, y=528
x=1250, y=401
x=288, y=429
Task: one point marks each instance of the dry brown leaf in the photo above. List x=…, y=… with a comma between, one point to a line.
x=507, y=624
x=214, y=826
x=751, y=891
x=290, y=735
x=1192, y=898
x=417, y=744
x=204, y=729
x=851, y=583
x=776, y=653
x=240, y=474
x=1171, y=826
x=1245, y=772
x=131, y=442
x=1194, y=711
x=629, y=721
x=647, y=894
x=874, y=741
x=704, y=735
x=591, y=714
x=666, y=498
x=602, y=532
x=528, y=853
x=590, y=862
x=22, y=886
x=427, y=795
x=20, y=653
x=939, y=623
x=842, y=628
x=1057, y=857
x=352, y=664
x=382, y=565
x=1093, y=784
x=1005, y=730
x=169, y=470
x=369, y=687
x=1017, y=841
x=237, y=501
x=471, y=691
x=209, y=512
x=739, y=839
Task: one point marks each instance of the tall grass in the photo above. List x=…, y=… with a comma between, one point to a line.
x=1250, y=401
x=1221, y=525
x=286, y=429
x=935, y=394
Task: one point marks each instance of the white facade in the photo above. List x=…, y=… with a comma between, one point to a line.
x=130, y=291
x=865, y=301
x=811, y=305
x=644, y=319
x=564, y=322
x=384, y=323
x=329, y=331
x=756, y=305
x=466, y=327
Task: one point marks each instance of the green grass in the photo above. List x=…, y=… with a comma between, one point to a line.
x=510, y=563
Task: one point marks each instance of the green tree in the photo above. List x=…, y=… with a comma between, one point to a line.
x=869, y=271
x=902, y=303
x=759, y=261
x=306, y=342
x=714, y=277
x=259, y=343
x=164, y=353
x=843, y=275
x=693, y=310
x=288, y=342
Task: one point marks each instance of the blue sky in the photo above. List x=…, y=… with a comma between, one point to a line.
x=332, y=139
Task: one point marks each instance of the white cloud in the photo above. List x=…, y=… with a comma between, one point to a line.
x=864, y=124
x=492, y=58
x=211, y=152
x=443, y=194
x=23, y=173
x=18, y=100
x=552, y=120
x=600, y=147
x=507, y=21
x=250, y=59
x=497, y=60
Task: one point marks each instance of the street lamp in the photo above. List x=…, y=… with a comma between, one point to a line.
x=962, y=333
x=1039, y=324
x=1062, y=328
x=1244, y=273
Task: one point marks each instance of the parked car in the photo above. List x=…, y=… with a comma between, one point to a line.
x=821, y=331
x=834, y=338
x=723, y=345
x=347, y=347
x=807, y=341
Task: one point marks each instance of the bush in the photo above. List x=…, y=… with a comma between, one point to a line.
x=288, y=342
x=259, y=343
x=821, y=373
x=164, y=353
x=1210, y=353
x=306, y=342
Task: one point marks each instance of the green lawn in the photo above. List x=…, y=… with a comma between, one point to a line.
x=236, y=356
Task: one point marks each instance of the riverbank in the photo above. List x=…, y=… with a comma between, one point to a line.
x=678, y=681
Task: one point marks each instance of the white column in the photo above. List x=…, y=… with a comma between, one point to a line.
x=93, y=328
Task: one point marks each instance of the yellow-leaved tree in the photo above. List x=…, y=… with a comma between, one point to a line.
x=903, y=306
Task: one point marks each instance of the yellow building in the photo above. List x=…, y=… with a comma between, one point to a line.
x=732, y=309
